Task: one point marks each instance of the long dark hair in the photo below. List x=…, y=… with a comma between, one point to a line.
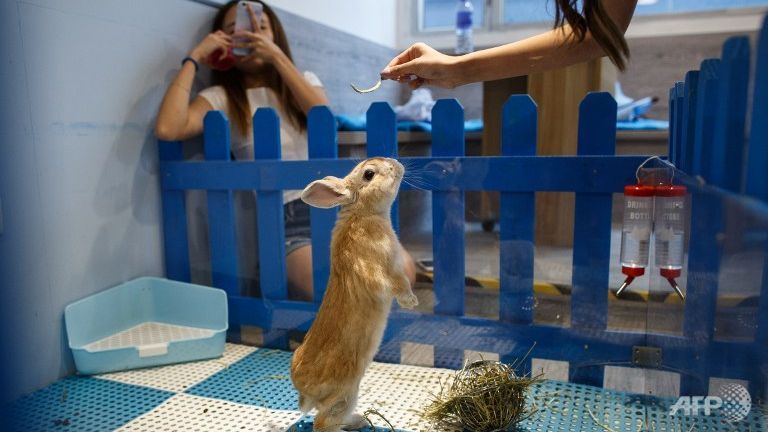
x=594, y=19
x=234, y=84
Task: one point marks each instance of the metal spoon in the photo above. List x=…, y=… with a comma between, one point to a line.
x=368, y=90
x=377, y=85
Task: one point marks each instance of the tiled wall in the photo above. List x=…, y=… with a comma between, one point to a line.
x=656, y=63
x=339, y=59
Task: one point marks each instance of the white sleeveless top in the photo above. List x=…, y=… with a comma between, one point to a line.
x=292, y=140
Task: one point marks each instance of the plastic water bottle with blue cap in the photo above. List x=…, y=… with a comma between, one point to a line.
x=464, y=27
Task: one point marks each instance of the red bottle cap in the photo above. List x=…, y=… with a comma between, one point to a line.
x=671, y=191
x=670, y=273
x=639, y=190
x=633, y=271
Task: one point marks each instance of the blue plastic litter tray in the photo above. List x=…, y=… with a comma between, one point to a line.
x=146, y=322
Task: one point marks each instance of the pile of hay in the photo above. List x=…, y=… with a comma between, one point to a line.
x=485, y=396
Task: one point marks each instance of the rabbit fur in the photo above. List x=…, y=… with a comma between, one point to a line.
x=366, y=274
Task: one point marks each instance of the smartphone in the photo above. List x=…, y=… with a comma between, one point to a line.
x=243, y=22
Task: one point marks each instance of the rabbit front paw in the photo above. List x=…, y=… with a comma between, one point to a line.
x=408, y=300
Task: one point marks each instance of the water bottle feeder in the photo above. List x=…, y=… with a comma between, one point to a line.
x=636, y=232
x=669, y=231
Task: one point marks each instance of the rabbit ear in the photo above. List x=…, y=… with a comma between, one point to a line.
x=326, y=193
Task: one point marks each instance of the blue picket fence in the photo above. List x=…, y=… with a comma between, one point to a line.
x=721, y=145
x=707, y=113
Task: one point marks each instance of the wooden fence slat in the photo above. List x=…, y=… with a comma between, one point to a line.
x=221, y=214
x=679, y=105
x=448, y=211
x=271, y=229
x=727, y=166
x=691, y=85
x=270, y=210
x=381, y=134
x=701, y=285
x=221, y=217
x=516, y=225
x=671, y=141
x=321, y=129
x=757, y=187
x=382, y=142
x=382, y=130
x=175, y=240
x=704, y=251
x=757, y=179
x=761, y=334
x=760, y=375
x=448, y=224
x=705, y=117
x=592, y=230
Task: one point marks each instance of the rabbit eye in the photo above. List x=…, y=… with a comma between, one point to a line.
x=368, y=175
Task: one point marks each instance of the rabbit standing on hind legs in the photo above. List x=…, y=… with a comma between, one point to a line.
x=366, y=274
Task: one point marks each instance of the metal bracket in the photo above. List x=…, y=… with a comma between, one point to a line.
x=645, y=356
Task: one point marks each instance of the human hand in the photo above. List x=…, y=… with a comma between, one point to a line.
x=259, y=41
x=211, y=43
x=429, y=66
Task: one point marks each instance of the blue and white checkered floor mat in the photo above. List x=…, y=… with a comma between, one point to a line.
x=249, y=389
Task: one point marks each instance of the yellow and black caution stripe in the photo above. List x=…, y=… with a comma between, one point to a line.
x=544, y=288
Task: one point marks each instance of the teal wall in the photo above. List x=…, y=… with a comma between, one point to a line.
x=82, y=82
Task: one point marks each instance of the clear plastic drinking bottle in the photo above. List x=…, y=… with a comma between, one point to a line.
x=636, y=232
x=464, y=42
x=670, y=232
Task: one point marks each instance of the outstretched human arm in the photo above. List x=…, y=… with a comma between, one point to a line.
x=549, y=50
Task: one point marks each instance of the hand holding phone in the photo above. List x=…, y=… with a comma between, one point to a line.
x=243, y=22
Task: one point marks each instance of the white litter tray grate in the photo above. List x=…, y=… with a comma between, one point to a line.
x=190, y=413
x=149, y=333
x=178, y=378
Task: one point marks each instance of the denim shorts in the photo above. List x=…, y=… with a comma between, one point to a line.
x=297, y=232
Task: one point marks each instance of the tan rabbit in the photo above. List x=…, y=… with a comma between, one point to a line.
x=366, y=274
